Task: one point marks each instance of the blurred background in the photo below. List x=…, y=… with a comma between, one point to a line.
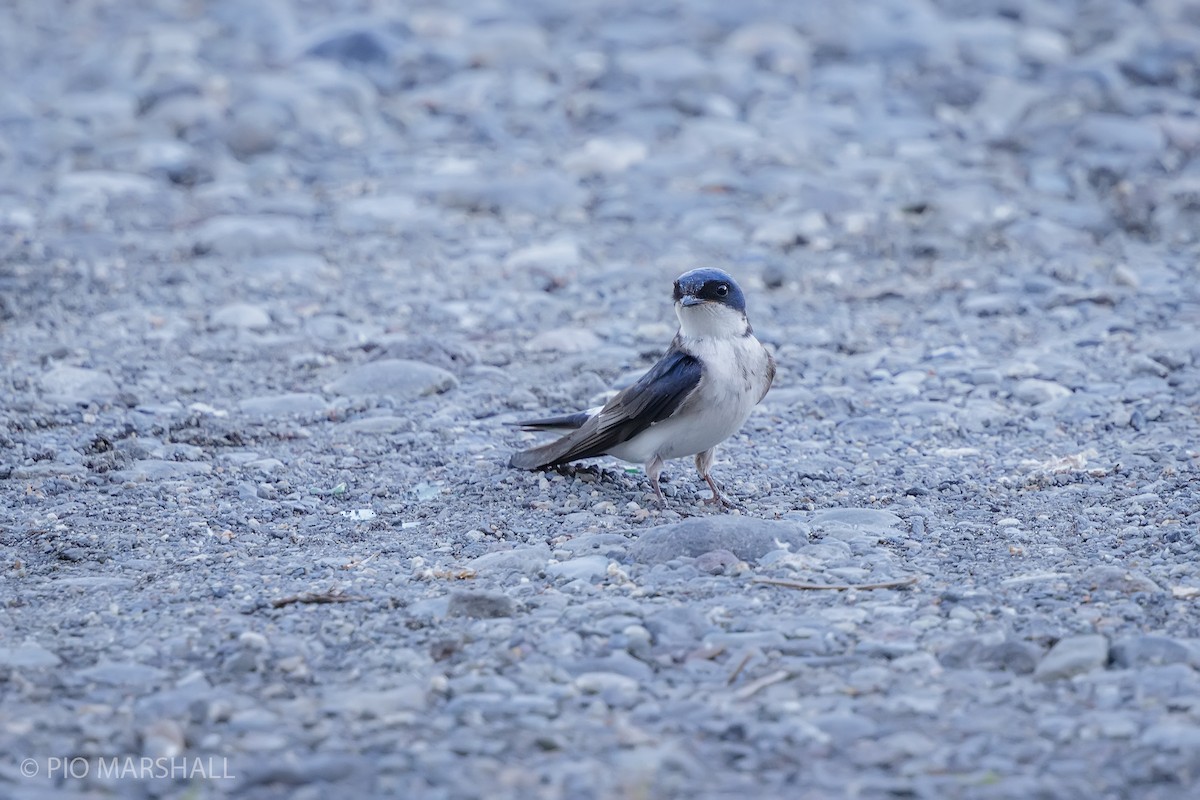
x=274, y=275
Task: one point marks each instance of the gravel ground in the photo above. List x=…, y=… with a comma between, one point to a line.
x=274, y=277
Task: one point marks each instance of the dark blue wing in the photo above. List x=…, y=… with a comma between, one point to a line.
x=657, y=395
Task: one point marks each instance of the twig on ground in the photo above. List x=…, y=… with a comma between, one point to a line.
x=356, y=562
x=738, y=669
x=839, y=587
x=315, y=598
x=756, y=686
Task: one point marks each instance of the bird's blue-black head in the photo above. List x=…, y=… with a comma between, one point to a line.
x=709, y=285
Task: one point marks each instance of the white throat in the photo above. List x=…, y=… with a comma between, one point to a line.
x=710, y=320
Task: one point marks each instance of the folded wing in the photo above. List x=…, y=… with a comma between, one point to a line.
x=657, y=395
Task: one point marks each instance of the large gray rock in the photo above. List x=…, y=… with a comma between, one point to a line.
x=243, y=316
x=1073, y=656
x=122, y=673
x=353, y=47
x=747, y=538
x=240, y=236
x=525, y=560
x=283, y=405
x=394, y=377
x=480, y=605
x=1136, y=652
x=1035, y=391
x=158, y=469
x=77, y=386
x=1009, y=655
x=582, y=568
x=863, y=519
x=28, y=655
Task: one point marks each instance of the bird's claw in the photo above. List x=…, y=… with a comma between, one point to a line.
x=717, y=498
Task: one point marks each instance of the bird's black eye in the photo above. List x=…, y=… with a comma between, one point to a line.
x=722, y=289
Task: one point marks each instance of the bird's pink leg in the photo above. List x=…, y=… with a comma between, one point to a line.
x=703, y=463
x=654, y=468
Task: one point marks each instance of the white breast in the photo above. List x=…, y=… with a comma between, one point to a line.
x=734, y=379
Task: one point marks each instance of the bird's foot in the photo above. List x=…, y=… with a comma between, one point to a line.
x=658, y=495
x=718, y=501
x=717, y=498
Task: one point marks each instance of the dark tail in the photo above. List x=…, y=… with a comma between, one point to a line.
x=548, y=455
x=560, y=451
x=567, y=422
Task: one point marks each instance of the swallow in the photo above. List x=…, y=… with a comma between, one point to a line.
x=697, y=395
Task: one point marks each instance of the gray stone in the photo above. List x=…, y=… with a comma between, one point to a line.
x=605, y=156
x=669, y=64
x=541, y=194
x=163, y=738
x=1137, y=652
x=48, y=469
x=582, y=568
x=1074, y=655
x=481, y=605
x=762, y=640
x=122, y=673
x=286, y=771
x=241, y=236
x=637, y=641
x=846, y=727
x=1017, y=657
x=1044, y=46
x=240, y=315
x=189, y=698
x=1009, y=655
x=509, y=44
x=382, y=425
x=257, y=127
x=384, y=213
x=745, y=537
x=618, y=691
x=1118, y=579
x=779, y=48
x=864, y=519
x=94, y=582
x=78, y=386
x=525, y=560
x=1122, y=134
x=1141, y=364
x=554, y=255
x=176, y=161
x=564, y=340
x=618, y=662
x=287, y=268
x=716, y=562
x=791, y=231
x=108, y=184
x=606, y=544
x=375, y=703
x=352, y=47
x=1172, y=735
x=30, y=655
x=393, y=377
x=1035, y=391
x=154, y=469
x=283, y=405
